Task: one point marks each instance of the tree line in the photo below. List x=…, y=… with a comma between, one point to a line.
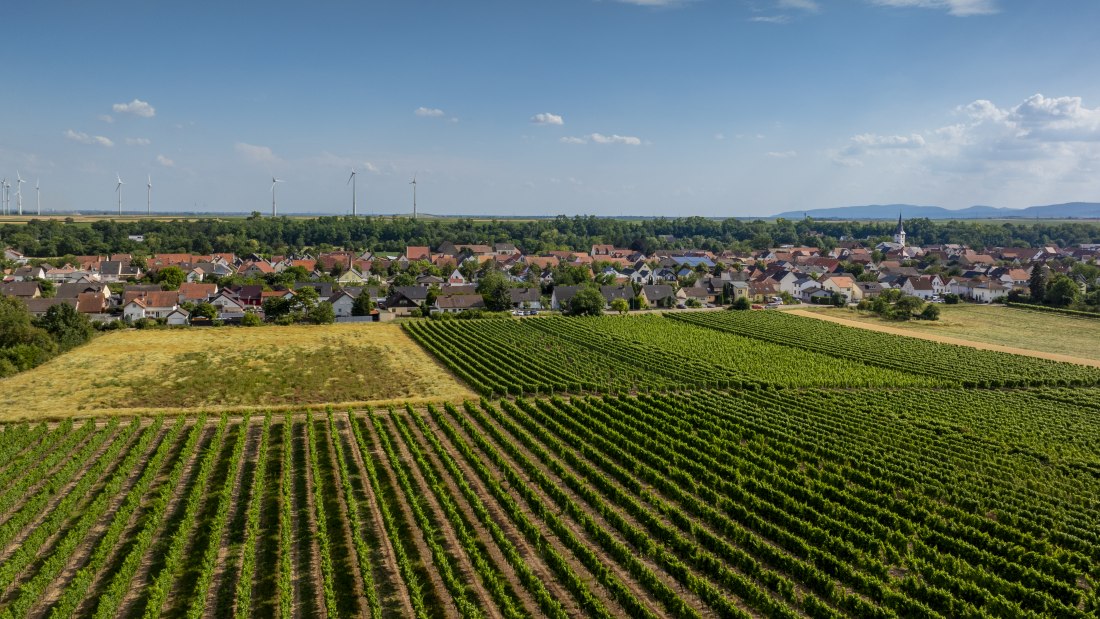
x=243, y=236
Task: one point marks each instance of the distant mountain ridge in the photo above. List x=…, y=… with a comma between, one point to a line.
x=1082, y=210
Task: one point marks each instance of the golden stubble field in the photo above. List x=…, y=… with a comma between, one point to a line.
x=231, y=369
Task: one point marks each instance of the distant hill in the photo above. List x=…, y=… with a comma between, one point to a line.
x=1084, y=210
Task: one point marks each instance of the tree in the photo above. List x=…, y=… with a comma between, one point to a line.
x=304, y=299
x=906, y=306
x=1037, y=284
x=363, y=305
x=68, y=327
x=171, y=277
x=494, y=291
x=321, y=314
x=741, y=303
x=930, y=312
x=205, y=310
x=620, y=305
x=587, y=302
x=251, y=319
x=275, y=307
x=1062, y=291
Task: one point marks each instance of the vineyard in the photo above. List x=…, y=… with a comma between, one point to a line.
x=639, y=467
x=703, y=504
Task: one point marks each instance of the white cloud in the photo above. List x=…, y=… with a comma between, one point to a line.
x=573, y=140
x=256, y=154
x=84, y=138
x=802, y=5
x=429, y=112
x=770, y=19
x=599, y=138
x=138, y=141
x=137, y=107
x=960, y=8
x=546, y=118
x=869, y=141
x=719, y=136
x=786, y=154
x=1039, y=142
x=165, y=161
x=107, y=118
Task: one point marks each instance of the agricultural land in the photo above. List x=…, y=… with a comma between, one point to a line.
x=692, y=464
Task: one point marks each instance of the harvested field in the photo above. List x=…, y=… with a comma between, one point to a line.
x=135, y=371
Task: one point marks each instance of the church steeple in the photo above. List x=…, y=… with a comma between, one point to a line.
x=899, y=233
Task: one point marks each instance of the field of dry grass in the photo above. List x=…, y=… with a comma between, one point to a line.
x=129, y=372
x=995, y=324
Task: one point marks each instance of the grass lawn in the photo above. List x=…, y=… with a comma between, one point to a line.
x=213, y=369
x=996, y=324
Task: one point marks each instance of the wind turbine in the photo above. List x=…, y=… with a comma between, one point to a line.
x=274, y=180
x=149, y=196
x=118, y=190
x=413, y=183
x=4, y=194
x=38, y=195
x=351, y=179
x=19, y=191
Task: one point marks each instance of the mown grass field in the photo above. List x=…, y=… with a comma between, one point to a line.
x=130, y=372
x=997, y=324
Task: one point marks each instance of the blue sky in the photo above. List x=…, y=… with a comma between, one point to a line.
x=520, y=107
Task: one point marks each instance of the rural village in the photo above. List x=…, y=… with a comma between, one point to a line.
x=178, y=289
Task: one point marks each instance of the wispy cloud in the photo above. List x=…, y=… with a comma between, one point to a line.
x=256, y=154
x=786, y=154
x=599, y=138
x=84, y=138
x=546, y=118
x=810, y=6
x=107, y=118
x=960, y=8
x=429, y=112
x=770, y=19
x=656, y=3
x=137, y=107
x=165, y=161
x=138, y=141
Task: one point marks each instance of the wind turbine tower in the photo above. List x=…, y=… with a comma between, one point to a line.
x=274, y=211
x=38, y=194
x=19, y=191
x=118, y=190
x=149, y=196
x=351, y=179
x=4, y=194
x=413, y=183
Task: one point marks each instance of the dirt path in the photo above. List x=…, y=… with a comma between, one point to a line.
x=450, y=539
x=372, y=517
x=532, y=560
x=943, y=339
